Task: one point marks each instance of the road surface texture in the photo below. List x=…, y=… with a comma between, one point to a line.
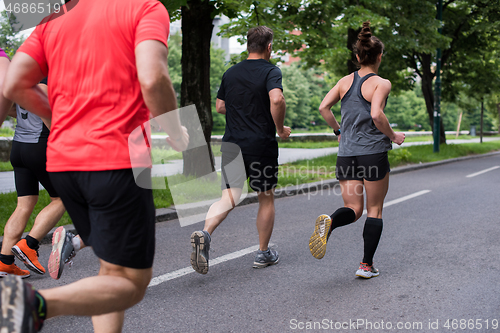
x=437, y=260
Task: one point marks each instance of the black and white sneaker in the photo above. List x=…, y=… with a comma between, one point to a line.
x=266, y=258
x=200, y=241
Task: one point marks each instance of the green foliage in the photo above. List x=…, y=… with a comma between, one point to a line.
x=6, y=166
x=174, y=61
x=9, y=40
x=6, y=132
x=304, y=90
x=399, y=156
x=218, y=66
x=408, y=111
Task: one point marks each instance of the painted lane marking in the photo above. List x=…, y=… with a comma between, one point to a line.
x=481, y=172
x=408, y=197
x=188, y=270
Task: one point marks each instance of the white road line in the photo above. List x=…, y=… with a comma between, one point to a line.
x=481, y=172
x=188, y=270
x=408, y=197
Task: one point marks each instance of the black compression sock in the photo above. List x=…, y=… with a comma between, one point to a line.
x=7, y=259
x=371, y=236
x=32, y=242
x=342, y=216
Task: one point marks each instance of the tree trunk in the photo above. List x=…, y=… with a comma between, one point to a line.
x=195, y=87
x=428, y=92
x=352, y=37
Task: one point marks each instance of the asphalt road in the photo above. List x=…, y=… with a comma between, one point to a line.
x=437, y=257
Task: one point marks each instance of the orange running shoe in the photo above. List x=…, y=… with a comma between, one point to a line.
x=12, y=269
x=29, y=256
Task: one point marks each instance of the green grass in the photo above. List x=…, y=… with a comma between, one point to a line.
x=308, y=144
x=299, y=172
x=6, y=166
x=161, y=155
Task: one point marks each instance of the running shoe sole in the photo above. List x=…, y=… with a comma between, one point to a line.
x=56, y=265
x=12, y=305
x=198, y=261
x=24, y=258
x=3, y=274
x=317, y=242
x=262, y=265
x=366, y=275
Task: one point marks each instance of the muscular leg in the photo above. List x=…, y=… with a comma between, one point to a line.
x=220, y=209
x=105, y=297
x=375, y=195
x=16, y=224
x=265, y=218
x=352, y=194
x=47, y=219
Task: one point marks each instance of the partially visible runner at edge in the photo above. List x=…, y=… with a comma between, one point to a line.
x=103, y=84
x=364, y=139
x=251, y=97
x=28, y=158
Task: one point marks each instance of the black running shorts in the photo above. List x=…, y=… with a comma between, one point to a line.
x=29, y=162
x=111, y=213
x=368, y=167
x=261, y=171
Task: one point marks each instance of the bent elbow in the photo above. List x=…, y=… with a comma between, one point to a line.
x=8, y=90
x=278, y=100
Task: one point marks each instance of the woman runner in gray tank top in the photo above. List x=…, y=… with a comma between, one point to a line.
x=364, y=138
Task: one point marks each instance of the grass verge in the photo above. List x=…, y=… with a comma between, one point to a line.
x=299, y=172
x=6, y=166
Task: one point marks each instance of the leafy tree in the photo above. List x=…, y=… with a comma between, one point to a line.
x=197, y=26
x=174, y=61
x=409, y=29
x=296, y=90
x=217, y=67
x=9, y=38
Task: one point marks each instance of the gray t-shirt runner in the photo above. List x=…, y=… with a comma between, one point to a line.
x=359, y=135
x=30, y=128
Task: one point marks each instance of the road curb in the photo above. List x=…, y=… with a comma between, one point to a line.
x=169, y=214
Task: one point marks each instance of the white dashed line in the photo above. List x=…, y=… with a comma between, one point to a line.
x=188, y=270
x=408, y=197
x=481, y=172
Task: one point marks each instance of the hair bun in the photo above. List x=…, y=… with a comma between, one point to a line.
x=365, y=34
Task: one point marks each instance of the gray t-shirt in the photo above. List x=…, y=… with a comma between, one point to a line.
x=30, y=128
x=359, y=135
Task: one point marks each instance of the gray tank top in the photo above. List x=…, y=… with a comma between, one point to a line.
x=30, y=128
x=359, y=135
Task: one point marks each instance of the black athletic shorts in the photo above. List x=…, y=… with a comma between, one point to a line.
x=262, y=172
x=29, y=162
x=111, y=213
x=369, y=167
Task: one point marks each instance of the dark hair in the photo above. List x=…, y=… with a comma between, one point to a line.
x=258, y=39
x=368, y=47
